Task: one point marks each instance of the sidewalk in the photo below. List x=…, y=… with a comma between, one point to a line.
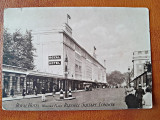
x=17, y=97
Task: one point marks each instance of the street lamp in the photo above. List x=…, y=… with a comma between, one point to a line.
x=129, y=77
x=66, y=73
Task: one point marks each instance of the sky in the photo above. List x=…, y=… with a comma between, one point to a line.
x=115, y=32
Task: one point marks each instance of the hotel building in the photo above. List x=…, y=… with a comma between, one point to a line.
x=52, y=48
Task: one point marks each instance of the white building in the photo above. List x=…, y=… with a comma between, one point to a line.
x=141, y=65
x=139, y=60
x=52, y=47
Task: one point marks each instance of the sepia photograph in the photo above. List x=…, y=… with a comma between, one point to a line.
x=76, y=58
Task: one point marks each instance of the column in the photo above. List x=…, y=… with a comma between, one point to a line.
x=141, y=81
x=10, y=82
x=27, y=85
x=18, y=84
x=69, y=84
x=63, y=84
x=25, y=82
x=2, y=81
x=58, y=84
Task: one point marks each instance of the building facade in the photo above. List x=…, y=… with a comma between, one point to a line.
x=139, y=60
x=13, y=78
x=142, y=73
x=52, y=48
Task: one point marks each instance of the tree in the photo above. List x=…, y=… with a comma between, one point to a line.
x=18, y=49
x=8, y=48
x=116, y=77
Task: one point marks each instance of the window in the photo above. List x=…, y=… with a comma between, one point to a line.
x=14, y=83
x=80, y=69
x=146, y=52
x=76, y=67
x=139, y=52
x=21, y=83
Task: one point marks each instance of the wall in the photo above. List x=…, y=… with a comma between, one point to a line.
x=140, y=58
x=48, y=44
x=81, y=65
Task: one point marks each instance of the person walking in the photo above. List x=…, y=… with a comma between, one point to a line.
x=12, y=92
x=23, y=92
x=43, y=94
x=139, y=94
x=4, y=94
x=130, y=99
x=35, y=90
x=54, y=91
x=130, y=90
x=147, y=98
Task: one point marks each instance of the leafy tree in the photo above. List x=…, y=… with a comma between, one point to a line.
x=116, y=77
x=8, y=48
x=18, y=49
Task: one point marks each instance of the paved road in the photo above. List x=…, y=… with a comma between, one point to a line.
x=98, y=99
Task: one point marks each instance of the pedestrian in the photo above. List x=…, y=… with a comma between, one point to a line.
x=147, y=98
x=54, y=91
x=35, y=90
x=139, y=94
x=23, y=92
x=126, y=90
x=130, y=89
x=43, y=94
x=4, y=93
x=12, y=92
x=130, y=99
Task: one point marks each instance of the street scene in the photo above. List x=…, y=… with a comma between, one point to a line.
x=56, y=59
x=98, y=99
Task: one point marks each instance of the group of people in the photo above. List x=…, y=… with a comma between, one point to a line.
x=138, y=98
x=43, y=91
x=23, y=92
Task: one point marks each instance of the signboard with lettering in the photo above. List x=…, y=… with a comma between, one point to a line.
x=54, y=62
x=54, y=57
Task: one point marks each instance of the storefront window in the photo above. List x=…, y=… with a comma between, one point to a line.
x=6, y=82
x=14, y=83
x=29, y=86
x=21, y=83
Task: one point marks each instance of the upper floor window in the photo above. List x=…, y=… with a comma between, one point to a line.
x=146, y=52
x=139, y=52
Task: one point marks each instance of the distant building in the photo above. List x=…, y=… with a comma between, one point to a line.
x=139, y=60
x=142, y=69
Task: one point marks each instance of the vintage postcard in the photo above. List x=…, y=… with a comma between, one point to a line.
x=76, y=58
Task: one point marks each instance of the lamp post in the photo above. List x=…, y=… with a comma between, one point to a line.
x=66, y=74
x=129, y=80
